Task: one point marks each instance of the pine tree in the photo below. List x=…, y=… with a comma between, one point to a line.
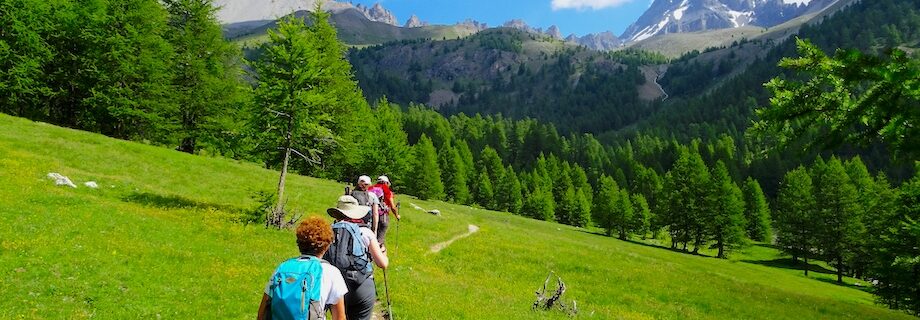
x=387, y=153
x=453, y=172
x=605, y=204
x=567, y=207
x=868, y=200
x=838, y=215
x=463, y=149
x=206, y=86
x=563, y=190
x=425, y=180
x=622, y=215
x=796, y=215
x=582, y=216
x=727, y=228
x=303, y=80
x=641, y=215
x=485, y=195
x=508, y=192
x=898, y=267
x=539, y=204
x=687, y=200
x=757, y=212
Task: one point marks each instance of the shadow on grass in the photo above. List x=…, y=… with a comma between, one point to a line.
x=176, y=202
x=645, y=244
x=765, y=245
x=848, y=285
x=787, y=263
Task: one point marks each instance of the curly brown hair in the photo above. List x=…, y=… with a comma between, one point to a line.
x=313, y=236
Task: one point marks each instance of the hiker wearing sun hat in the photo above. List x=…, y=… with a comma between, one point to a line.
x=353, y=249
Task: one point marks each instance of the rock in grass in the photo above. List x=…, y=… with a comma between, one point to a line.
x=91, y=184
x=61, y=180
x=435, y=212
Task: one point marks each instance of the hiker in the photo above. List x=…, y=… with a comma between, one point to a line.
x=352, y=251
x=365, y=198
x=290, y=288
x=387, y=205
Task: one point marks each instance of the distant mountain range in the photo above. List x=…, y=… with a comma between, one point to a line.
x=683, y=16
x=362, y=25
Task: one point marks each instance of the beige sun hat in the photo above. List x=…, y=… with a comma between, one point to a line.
x=348, y=208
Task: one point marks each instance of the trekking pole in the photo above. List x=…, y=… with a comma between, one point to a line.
x=386, y=288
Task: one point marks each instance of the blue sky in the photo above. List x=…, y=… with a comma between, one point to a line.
x=572, y=16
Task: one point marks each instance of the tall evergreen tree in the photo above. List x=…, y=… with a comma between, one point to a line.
x=898, y=272
x=508, y=192
x=606, y=203
x=582, y=216
x=641, y=215
x=687, y=200
x=797, y=215
x=206, y=85
x=727, y=226
x=387, y=152
x=485, y=193
x=756, y=212
x=303, y=80
x=425, y=179
x=622, y=215
x=838, y=214
x=453, y=172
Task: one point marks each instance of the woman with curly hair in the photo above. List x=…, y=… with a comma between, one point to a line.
x=287, y=293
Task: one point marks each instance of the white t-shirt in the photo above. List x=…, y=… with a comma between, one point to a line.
x=332, y=288
x=366, y=235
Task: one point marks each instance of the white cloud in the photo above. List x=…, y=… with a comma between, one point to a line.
x=586, y=4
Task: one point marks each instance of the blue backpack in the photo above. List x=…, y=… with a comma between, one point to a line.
x=295, y=290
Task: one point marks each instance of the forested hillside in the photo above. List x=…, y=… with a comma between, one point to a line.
x=514, y=73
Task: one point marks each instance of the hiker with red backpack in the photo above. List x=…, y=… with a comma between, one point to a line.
x=306, y=287
x=387, y=205
x=353, y=250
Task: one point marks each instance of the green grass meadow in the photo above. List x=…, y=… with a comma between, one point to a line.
x=158, y=239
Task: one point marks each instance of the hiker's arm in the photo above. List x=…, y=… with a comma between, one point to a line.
x=265, y=308
x=338, y=310
x=375, y=209
x=380, y=257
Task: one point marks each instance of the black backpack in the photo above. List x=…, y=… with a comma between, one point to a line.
x=348, y=253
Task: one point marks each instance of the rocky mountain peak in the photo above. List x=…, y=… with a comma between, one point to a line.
x=415, y=22
x=679, y=16
x=553, y=31
x=379, y=13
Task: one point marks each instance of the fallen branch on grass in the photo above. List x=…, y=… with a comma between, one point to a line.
x=555, y=300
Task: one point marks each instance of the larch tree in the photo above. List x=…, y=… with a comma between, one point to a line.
x=796, y=215
x=425, y=177
x=839, y=224
x=727, y=223
x=305, y=89
x=756, y=212
x=207, y=82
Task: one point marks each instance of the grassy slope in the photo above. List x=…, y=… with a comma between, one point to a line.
x=159, y=243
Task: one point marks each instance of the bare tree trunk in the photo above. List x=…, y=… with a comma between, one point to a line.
x=839, y=268
x=806, y=264
x=279, y=208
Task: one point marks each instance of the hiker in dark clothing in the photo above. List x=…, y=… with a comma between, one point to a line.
x=352, y=251
x=365, y=198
